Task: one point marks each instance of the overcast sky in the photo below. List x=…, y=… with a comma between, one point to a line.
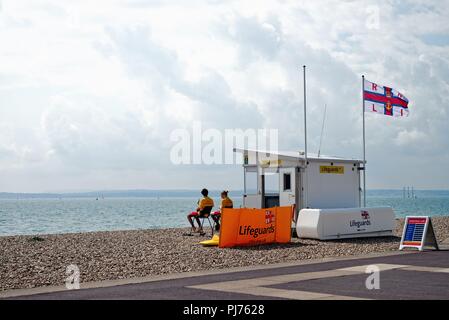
x=89, y=93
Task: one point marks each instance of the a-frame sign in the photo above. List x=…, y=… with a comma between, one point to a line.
x=418, y=233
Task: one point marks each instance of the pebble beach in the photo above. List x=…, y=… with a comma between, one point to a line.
x=36, y=261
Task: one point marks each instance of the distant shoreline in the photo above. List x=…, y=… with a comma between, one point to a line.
x=114, y=194
x=180, y=193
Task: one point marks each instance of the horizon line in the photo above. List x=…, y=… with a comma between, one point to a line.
x=182, y=190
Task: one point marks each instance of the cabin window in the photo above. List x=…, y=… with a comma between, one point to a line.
x=287, y=181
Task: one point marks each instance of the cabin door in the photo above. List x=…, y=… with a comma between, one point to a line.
x=288, y=185
x=289, y=188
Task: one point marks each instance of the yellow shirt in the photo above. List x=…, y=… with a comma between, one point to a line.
x=206, y=202
x=226, y=203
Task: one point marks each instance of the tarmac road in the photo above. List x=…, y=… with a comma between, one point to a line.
x=423, y=275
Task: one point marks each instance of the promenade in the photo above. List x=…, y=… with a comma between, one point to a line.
x=403, y=275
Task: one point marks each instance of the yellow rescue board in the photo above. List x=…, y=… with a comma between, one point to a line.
x=212, y=242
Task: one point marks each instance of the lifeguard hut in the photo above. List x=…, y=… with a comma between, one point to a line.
x=320, y=186
x=327, y=182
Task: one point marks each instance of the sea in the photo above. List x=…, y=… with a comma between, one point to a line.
x=60, y=213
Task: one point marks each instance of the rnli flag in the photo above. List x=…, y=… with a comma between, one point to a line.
x=384, y=100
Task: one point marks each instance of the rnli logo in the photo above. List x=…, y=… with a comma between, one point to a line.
x=269, y=217
x=365, y=221
x=365, y=215
x=388, y=106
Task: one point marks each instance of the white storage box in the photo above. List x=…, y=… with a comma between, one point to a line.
x=327, y=224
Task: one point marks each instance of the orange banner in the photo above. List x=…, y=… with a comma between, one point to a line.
x=246, y=227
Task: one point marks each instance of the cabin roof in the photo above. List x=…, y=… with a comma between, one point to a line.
x=299, y=155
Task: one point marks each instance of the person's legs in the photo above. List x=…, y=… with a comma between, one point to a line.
x=197, y=218
x=216, y=218
x=190, y=216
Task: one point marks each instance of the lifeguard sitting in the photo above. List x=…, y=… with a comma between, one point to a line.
x=226, y=202
x=204, y=209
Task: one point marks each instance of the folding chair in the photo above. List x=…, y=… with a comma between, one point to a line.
x=205, y=214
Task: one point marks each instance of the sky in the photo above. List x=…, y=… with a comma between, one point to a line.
x=90, y=93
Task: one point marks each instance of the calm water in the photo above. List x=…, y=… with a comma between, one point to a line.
x=42, y=216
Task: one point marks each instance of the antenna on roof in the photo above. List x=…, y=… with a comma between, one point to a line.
x=322, y=129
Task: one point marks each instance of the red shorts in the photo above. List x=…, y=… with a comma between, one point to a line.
x=216, y=213
x=196, y=214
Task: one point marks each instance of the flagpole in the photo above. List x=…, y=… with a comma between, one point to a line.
x=305, y=140
x=364, y=154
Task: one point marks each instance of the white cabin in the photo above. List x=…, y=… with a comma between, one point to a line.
x=282, y=179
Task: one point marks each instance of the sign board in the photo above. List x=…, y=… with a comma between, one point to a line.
x=246, y=227
x=418, y=233
x=332, y=169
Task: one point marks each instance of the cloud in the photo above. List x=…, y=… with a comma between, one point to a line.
x=88, y=136
x=89, y=93
x=208, y=99
x=414, y=137
x=257, y=39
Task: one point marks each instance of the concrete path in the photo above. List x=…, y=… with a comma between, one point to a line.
x=422, y=275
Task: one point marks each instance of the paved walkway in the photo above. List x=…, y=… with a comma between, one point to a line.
x=422, y=275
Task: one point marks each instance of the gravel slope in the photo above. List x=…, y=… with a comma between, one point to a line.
x=26, y=261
